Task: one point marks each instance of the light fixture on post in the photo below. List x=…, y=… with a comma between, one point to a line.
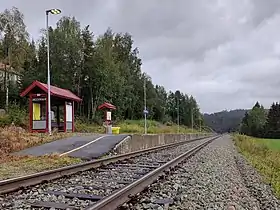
x=54, y=12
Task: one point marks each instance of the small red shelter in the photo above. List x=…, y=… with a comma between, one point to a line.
x=107, y=107
x=62, y=107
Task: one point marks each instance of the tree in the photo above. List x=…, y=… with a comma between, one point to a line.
x=89, y=72
x=257, y=119
x=244, y=129
x=13, y=42
x=272, y=127
x=30, y=67
x=254, y=121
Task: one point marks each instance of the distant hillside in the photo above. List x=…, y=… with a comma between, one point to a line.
x=225, y=121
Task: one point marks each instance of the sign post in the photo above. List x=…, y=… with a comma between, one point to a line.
x=145, y=111
x=108, y=122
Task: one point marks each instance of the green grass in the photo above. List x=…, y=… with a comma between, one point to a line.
x=136, y=127
x=273, y=144
x=264, y=155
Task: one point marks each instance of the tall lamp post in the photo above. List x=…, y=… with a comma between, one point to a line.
x=53, y=12
x=145, y=107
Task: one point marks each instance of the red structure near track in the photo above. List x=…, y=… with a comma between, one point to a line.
x=107, y=107
x=62, y=106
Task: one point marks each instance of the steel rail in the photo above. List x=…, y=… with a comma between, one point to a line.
x=125, y=194
x=13, y=184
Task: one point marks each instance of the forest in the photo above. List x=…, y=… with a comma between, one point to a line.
x=225, y=121
x=259, y=122
x=98, y=68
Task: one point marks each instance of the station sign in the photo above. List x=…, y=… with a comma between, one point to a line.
x=38, y=99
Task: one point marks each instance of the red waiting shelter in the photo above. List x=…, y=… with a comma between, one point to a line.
x=62, y=107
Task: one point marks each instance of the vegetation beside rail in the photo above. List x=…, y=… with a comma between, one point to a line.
x=264, y=155
x=21, y=166
x=137, y=127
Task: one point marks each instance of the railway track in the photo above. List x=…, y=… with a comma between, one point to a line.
x=100, y=184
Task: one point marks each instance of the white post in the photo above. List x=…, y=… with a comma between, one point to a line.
x=49, y=79
x=145, y=105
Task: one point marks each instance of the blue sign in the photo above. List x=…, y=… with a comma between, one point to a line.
x=146, y=112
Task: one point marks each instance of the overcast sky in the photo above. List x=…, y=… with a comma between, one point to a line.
x=224, y=52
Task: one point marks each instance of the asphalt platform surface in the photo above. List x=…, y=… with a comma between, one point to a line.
x=93, y=150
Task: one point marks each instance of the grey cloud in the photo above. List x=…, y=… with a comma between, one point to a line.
x=263, y=10
x=93, y=12
x=178, y=29
x=224, y=52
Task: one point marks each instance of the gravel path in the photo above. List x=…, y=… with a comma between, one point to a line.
x=215, y=178
x=102, y=181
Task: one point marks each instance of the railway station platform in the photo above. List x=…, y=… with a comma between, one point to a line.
x=84, y=147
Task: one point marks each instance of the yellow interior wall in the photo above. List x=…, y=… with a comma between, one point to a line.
x=36, y=111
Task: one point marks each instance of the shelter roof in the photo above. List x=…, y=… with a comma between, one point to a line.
x=55, y=91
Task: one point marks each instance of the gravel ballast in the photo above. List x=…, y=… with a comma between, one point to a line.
x=218, y=177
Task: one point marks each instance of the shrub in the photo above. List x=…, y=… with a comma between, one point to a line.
x=17, y=115
x=5, y=121
x=84, y=127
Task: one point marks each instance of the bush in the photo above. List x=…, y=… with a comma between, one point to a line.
x=5, y=121
x=17, y=115
x=83, y=127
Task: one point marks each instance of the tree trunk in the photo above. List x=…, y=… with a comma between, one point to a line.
x=95, y=102
x=6, y=87
x=92, y=105
x=88, y=114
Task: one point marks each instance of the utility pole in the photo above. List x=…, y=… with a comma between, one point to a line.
x=7, y=75
x=145, y=105
x=192, y=118
x=178, y=116
x=6, y=87
x=200, y=121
